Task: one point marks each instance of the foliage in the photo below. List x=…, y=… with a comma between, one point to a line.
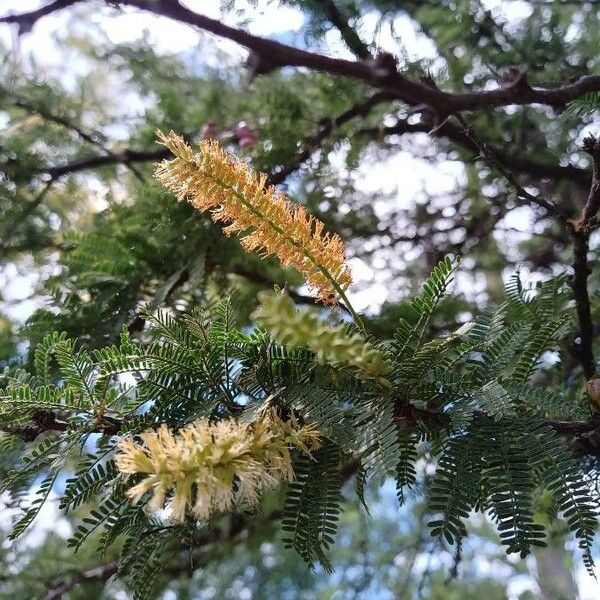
x=461, y=394
x=142, y=314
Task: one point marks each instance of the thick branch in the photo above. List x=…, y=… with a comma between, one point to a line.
x=575, y=428
x=270, y=55
x=580, y=230
x=581, y=272
x=415, y=92
x=43, y=421
x=407, y=415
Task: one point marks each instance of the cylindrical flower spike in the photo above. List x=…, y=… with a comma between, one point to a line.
x=212, y=467
x=215, y=180
x=334, y=345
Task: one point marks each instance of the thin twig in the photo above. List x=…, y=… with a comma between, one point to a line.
x=27, y=210
x=102, y=573
x=84, y=135
x=493, y=161
x=349, y=34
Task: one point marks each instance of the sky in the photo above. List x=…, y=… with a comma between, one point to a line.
x=404, y=175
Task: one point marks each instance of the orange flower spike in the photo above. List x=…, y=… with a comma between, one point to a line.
x=268, y=222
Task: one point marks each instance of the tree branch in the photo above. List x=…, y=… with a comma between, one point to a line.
x=349, y=35
x=580, y=231
x=26, y=21
x=325, y=129
x=67, y=124
x=46, y=421
x=575, y=428
x=279, y=55
x=102, y=572
x=510, y=159
x=308, y=146
x=576, y=175
x=408, y=415
x=494, y=162
x=125, y=157
x=270, y=55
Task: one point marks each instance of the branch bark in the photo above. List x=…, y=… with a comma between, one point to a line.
x=46, y=421
x=580, y=231
x=508, y=157
x=349, y=35
x=270, y=55
x=309, y=145
x=97, y=573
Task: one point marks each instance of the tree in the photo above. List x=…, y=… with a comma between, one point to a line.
x=165, y=392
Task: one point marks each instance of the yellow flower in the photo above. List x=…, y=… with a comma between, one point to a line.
x=212, y=467
x=215, y=180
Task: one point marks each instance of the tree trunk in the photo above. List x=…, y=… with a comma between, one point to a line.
x=554, y=576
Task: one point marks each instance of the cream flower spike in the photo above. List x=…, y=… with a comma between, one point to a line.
x=215, y=180
x=212, y=467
